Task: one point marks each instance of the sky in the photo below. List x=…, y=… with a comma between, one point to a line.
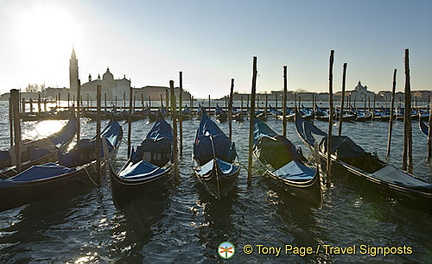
x=212, y=42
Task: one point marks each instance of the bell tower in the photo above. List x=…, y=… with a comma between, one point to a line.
x=73, y=71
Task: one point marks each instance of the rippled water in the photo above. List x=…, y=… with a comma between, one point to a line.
x=184, y=224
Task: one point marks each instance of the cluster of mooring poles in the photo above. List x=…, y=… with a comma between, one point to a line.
x=15, y=129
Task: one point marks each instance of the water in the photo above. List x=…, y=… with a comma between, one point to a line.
x=184, y=224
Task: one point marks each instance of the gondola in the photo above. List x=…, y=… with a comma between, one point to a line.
x=149, y=165
x=73, y=172
x=215, y=158
x=221, y=115
x=237, y=115
x=276, y=113
x=261, y=115
x=423, y=128
x=366, y=167
x=148, y=113
x=305, y=113
x=186, y=113
x=38, y=151
x=284, y=163
x=363, y=116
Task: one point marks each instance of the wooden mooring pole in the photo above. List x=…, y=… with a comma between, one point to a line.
x=11, y=124
x=429, y=140
x=14, y=95
x=175, y=143
x=78, y=110
x=330, y=128
x=130, y=123
x=39, y=103
x=343, y=99
x=284, y=106
x=391, y=113
x=167, y=100
x=180, y=114
x=98, y=136
x=23, y=107
x=407, y=147
x=251, y=118
x=230, y=105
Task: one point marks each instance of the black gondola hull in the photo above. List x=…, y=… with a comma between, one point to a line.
x=124, y=191
x=70, y=183
x=218, y=183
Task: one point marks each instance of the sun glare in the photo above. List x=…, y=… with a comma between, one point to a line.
x=49, y=127
x=44, y=32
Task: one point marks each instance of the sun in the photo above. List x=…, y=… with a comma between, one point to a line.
x=45, y=22
x=45, y=32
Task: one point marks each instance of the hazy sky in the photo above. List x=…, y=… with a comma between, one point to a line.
x=214, y=41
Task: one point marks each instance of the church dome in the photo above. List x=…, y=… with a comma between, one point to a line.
x=108, y=75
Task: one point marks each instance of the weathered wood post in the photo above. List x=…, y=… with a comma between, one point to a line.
x=98, y=136
x=266, y=106
x=230, y=105
x=180, y=114
x=314, y=104
x=130, y=123
x=247, y=104
x=78, y=110
x=161, y=100
x=284, y=106
x=329, y=135
x=429, y=140
x=167, y=100
x=407, y=147
x=88, y=102
x=14, y=94
x=175, y=143
x=343, y=99
x=23, y=108
x=251, y=119
x=134, y=104
x=11, y=120
x=31, y=105
x=391, y=113
x=82, y=106
x=39, y=103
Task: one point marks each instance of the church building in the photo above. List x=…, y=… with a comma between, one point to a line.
x=360, y=92
x=110, y=87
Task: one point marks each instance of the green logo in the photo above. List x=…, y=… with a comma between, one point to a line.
x=226, y=250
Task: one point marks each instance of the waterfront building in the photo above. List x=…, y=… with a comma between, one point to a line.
x=110, y=87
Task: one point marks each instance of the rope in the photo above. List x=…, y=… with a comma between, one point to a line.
x=244, y=166
x=90, y=177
